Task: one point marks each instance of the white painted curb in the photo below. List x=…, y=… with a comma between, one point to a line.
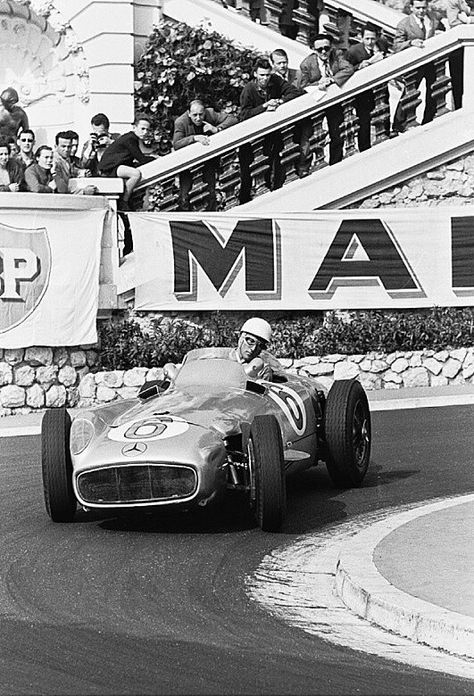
x=369, y=595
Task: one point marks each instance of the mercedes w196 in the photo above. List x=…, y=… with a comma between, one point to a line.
x=187, y=442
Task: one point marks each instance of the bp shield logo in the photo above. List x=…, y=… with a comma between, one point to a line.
x=25, y=265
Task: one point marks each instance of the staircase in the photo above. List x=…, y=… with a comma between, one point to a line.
x=345, y=21
x=384, y=159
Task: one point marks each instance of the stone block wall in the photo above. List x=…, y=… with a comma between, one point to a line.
x=449, y=184
x=38, y=378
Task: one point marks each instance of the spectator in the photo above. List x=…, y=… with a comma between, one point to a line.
x=13, y=118
x=265, y=93
x=94, y=148
x=413, y=30
x=360, y=56
x=121, y=158
x=63, y=168
x=26, y=144
x=288, y=26
x=76, y=169
x=457, y=12
x=258, y=11
x=39, y=177
x=196, y=125
x=279, y=59
x=13, y=146
x=303, y=129
x=11, y=173
x=324, y=67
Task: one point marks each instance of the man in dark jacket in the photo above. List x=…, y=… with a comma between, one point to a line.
x=360, y=56
x=124, y=154
x=265, y=93
x=323, y=68
x=196, y=125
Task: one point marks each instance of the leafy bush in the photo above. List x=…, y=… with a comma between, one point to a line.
x=126, y=344
x=181, y=63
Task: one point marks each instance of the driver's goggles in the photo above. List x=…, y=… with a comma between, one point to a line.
x=250, y=340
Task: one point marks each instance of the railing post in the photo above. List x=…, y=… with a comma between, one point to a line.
x=260, y=167
x=229, y=178
x=274, y=8
x=318, y=141
x=290, y=153
x=305, y=24
x=380, y=116
x=349, y=128
x=440, y=87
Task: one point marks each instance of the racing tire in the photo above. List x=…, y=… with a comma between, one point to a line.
x=348, y=433
x=267, y=473
x=56, y=464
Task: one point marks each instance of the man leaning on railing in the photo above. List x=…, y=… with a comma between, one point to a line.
x=195, y=126
x=265, y=93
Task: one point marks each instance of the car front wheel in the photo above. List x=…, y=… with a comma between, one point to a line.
x=348, y=433
x=267, y=475
x=56, y=464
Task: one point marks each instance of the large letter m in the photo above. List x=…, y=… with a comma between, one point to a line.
x=254, y=245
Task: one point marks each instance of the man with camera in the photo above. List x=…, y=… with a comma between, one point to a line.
x=94, y=148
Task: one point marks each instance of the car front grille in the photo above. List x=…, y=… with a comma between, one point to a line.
x=140, y=483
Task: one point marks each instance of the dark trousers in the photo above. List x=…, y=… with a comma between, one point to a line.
x=456, y=70
x=275, y=174
x=304, y=131
x=335, y=119
x=209, y=178
x=364, y=105
x=428, y=73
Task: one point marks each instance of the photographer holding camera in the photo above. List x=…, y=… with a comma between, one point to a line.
x=99, y=139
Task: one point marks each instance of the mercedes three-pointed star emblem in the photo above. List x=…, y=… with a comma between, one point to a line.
x=133, y=449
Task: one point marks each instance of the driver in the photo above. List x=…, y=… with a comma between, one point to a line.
x=254, y=337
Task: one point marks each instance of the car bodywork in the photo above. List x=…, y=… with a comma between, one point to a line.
x=186, y=445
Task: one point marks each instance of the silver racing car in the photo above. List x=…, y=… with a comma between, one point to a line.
x=185, y=443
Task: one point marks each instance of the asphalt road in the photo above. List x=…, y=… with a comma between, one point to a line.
x=158, y=605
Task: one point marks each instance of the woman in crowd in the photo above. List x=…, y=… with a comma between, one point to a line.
x=11, y=175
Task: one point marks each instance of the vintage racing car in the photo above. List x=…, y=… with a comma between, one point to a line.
x=185, y=443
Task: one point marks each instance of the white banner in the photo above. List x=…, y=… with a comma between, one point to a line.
x=349, y=259
x=49, y=277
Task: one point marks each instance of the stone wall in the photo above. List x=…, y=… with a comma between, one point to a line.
x=449, y=184
x=37, y=378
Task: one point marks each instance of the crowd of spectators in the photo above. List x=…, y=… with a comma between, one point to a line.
x=272, y=82
x=62, y=170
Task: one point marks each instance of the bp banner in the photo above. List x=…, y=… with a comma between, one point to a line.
x=352, y=259
x=49, y=277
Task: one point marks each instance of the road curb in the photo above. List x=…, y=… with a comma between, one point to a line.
x=371, y=596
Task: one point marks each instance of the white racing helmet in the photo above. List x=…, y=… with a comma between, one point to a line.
x=258, y=327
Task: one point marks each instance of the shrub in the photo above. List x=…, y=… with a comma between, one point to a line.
x=126, y=344
x=181, y=63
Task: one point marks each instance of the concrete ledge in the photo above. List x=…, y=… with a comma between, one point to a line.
x=369, y=595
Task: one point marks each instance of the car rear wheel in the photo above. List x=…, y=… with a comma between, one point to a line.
x=348, y=433
x=267, y=475
x=56, y=464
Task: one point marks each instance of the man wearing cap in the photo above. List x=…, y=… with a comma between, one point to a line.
x=254, y=337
